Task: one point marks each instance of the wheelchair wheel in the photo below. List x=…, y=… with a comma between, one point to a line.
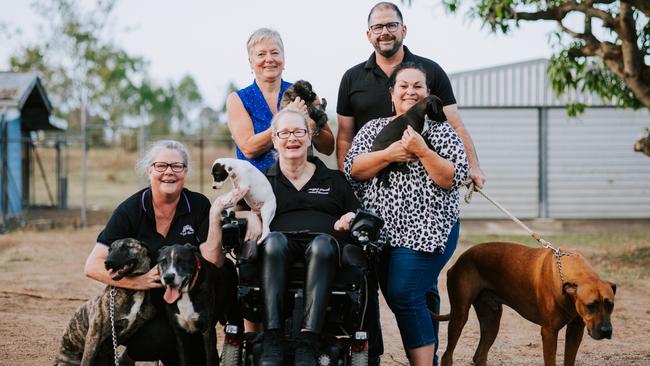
x=231, y=355
x=359, y=358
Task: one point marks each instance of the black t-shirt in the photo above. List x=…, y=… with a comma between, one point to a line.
x=363, y=93
x=317, y=206
x=135, y=218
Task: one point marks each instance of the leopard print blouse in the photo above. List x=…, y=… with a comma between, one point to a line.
x=418, y=213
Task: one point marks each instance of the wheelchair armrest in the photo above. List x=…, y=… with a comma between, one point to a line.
x=233, y=231
x=365, y=227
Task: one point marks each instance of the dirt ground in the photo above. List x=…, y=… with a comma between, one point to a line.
x=42, y=282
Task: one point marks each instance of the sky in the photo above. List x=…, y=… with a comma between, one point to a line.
x=322, y=39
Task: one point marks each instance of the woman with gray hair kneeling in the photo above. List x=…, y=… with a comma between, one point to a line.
x=164, y=213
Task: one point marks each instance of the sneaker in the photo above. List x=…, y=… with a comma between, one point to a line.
x=272, y=353
x=307, y=350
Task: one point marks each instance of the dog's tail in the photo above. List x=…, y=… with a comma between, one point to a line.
x=438, y=317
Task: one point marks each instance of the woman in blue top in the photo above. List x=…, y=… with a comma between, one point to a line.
x=251, y=109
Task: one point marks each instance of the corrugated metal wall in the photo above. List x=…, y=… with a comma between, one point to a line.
x=507, y=143
x=592, y=170
x=523, y=84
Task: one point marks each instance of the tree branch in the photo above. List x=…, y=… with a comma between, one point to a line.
x=642, y=5
x=632, y=58
x=561, y=11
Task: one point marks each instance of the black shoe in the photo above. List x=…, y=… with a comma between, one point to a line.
x=272, y=352
x=307, y=349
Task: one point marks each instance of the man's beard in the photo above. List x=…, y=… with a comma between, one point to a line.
x=390, y=52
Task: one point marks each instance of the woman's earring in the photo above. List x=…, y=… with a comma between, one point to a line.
x=392, y=107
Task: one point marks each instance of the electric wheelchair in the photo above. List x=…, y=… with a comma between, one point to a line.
x=343, y=342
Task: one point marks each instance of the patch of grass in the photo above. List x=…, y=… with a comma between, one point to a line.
x=638, y=256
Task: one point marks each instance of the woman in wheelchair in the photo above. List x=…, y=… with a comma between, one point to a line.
x=315, y=206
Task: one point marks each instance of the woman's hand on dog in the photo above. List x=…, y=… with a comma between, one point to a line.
x=413, y=142
x=146, y=281
x=396, y=153
x=225, y=201
x=300, y=105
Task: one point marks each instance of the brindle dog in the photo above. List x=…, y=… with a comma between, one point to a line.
x=315, y=107
x=87, y=341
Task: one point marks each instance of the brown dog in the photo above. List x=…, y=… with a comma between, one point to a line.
x=528, y=280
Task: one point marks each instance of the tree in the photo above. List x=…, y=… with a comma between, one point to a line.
x=77, y=62
x=607, y=52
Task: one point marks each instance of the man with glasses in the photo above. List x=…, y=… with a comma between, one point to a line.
x=363, y=96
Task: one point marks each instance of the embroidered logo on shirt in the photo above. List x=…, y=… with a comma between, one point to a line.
x=324, y=191
x=187, y=230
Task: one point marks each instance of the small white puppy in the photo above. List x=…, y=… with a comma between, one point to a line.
x=246, y=178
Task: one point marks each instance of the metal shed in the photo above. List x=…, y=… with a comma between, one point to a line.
x=24, y=107
x=542, y=164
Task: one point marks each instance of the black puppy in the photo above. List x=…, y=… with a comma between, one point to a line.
x=430, y=106
x=303, y=89
x=196, y=294
x=87, y=341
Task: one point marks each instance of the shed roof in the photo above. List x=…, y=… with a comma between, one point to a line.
x=25, y=92
x=521, y=84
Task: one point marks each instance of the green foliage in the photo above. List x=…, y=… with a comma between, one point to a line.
x=77, y=62
x=590, y=58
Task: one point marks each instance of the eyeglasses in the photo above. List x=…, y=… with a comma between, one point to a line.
x=161, y=166
x=378, y=28
x=301, y=132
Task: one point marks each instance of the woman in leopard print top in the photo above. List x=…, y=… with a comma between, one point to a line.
x=420, y=206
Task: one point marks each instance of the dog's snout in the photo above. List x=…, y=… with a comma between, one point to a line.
x=169, y=278
x=109, y=263
x=606, y=330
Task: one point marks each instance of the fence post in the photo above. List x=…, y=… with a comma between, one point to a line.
x=201, y=164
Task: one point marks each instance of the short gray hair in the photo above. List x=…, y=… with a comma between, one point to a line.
x=264, y=34
x=276, y=118
x=150, y=154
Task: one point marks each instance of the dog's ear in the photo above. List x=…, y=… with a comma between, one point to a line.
x=613, y=285
x=570, y=288
x=434, y=109
x=146, y=246
x=162, y=252
x=193, y=247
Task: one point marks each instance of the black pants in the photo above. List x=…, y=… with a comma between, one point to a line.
x=321, y=256
x=156, y=339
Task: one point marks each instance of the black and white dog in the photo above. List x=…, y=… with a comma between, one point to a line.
x=246, y=178
x=196, y=296
x=87, y=341
x=430, y=106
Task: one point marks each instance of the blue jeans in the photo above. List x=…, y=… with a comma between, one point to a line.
x=411, y=275
x=433, y=296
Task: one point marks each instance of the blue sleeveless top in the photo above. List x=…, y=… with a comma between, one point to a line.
x=255, y=104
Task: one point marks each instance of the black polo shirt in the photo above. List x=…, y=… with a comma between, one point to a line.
x=317, y=206
x=363, y=93
x=135, y=218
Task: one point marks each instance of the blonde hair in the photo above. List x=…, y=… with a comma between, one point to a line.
x=264, y=34
x=276, y=118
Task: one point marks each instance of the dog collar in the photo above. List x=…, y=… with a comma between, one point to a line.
x=196, y=273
